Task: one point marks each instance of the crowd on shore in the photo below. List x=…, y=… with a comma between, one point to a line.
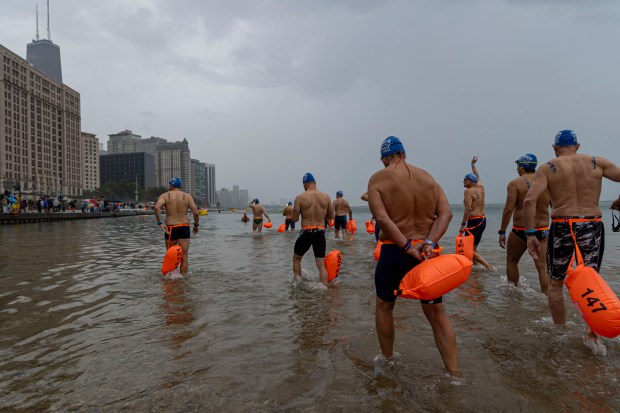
x=17, y=203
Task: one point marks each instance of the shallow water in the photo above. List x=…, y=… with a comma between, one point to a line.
x=87, y=323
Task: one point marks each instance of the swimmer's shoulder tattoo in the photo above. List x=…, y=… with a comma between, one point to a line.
x=552, y=167
x=593, y=162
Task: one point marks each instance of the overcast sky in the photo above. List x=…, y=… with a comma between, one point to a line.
x=268, y=90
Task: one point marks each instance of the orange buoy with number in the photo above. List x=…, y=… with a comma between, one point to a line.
x=351, y=226
x=378, y=250
x=268, y=224
x=333, y=261
x=370, y=227
x=331, y=223
x=282, y=228
x=171, y=259
x=465, y=245
x=595, y=300
x=435, y=277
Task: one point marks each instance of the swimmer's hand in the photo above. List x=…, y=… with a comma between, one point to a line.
x=502, y=241
x=533, y=247
x=474, y=160
x=165, y=228
x=421, y=252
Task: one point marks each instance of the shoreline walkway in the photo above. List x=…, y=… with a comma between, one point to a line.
x=25, y=218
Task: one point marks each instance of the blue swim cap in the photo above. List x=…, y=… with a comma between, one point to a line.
x=528, y=161
x=339, y=193
x=175, y=182
x=472, y=178
x=256, y=201
x=290, y=203
x=308, y=178
x=390, y=146
x=566, y=137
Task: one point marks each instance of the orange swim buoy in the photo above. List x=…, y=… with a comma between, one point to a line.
x=282, y=228
x=333, y=261
x=351, y=226
x=268, y=224
x=377, y=252
x=598, y=304
x=370, y=227
x=465, y=245
x=172, y=259
x=595, y=300
x=435, y=277
x=331, y=223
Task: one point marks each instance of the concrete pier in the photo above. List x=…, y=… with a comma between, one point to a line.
x=9, y=219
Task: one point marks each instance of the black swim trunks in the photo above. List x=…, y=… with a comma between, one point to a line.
x=476, y=226
x=314, y=237
x=340, y=222
x=590, y=239
x=178, y=232
x=541, y=233
x=290, y=222
x=392, y=267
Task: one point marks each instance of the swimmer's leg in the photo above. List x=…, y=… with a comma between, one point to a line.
x=541, y=267
x=478, y=258
x=514, y=250
x=555, y=296
x=384, y=323
x=260, y=227
x=184, y=244
x=320, y=264
x=297, y=266
x=445, y=336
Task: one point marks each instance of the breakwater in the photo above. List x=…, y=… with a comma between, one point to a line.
x=10, y=219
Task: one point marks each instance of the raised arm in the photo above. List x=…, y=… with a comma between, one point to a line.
x=475, y=170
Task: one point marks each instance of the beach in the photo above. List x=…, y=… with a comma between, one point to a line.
x=88, y=323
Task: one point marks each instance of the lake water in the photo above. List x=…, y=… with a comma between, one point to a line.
x=88, y=324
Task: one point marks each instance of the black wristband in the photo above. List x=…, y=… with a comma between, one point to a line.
x=500, y=232
x=159, y=223
x=407, y=245
x=196, y=224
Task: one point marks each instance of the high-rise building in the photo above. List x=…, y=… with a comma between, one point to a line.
x=199, y=179
x=149, y=145
x=244, y=198
x=210, y=184
x=224, y=198
x=44, y=55
x=40, y=125
x=90, y=161
x=124, y=142
x=173, y=160
x=234, y=197
x=138, y=167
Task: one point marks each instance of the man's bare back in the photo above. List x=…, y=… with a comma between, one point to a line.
x=314, y=207
x=519, y=187
x=475, y=198
x=288, y=211
x=177, y=203
x=342, y=207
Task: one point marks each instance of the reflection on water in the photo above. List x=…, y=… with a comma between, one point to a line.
x=88, y=323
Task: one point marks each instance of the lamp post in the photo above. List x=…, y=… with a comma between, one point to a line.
x=136, y=188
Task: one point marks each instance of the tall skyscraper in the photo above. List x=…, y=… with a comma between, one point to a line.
x=173, y=160
x=243, y=198
x=40, y=125
x=44, y=55
x=90, y=161
x=199, y=186
x=234, y=197
x=210, y=184
x=124, y=142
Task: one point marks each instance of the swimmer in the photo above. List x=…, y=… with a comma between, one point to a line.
x=244, y=218
x=574, y=182
x=176, y=228
x=474, y=219
x=315, y=208
x=341, y=208
x=413, y=212
x=258, y=210
x=517, y=241
x=288, y=214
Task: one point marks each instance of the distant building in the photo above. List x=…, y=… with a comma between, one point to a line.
x=44, y=55
x=234, y=197
x=199, y=185
x=210, y=184
x=124, y=142
x=90, y=159
x=173, y=160
x=150, y=145
x=128, y=167
x=40, y=125
x=224, y=198
x=244, y=198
